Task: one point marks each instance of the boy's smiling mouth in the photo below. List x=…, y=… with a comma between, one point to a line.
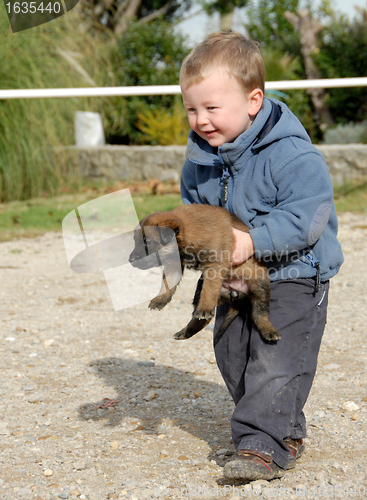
x=210, y=133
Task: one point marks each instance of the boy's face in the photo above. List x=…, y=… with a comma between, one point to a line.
x=219, y=109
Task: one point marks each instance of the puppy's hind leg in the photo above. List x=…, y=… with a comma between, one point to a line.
x=260, y=296
x=231, y=315
x=194, y=326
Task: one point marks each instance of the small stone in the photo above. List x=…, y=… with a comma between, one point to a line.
x=350, y=406
x=35, y=398
x=223, y=451
x=355, y=417
x=127, y=344
x=149, y=396
x=145, y=363
x=333, y=481
x=320, y=477
x=48, y=472
x=79, y=465
x=114, y=445
x=260, y=483
x=182, y=457
x=48, y=343
x=28, y=387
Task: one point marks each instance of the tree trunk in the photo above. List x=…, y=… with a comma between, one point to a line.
x=130, y=11
x=308, y=29
x=226, y=20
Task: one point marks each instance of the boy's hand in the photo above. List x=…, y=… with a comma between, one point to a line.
x=243, y=250
x=244, y=247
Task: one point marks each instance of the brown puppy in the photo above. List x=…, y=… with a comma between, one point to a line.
x=205, y=243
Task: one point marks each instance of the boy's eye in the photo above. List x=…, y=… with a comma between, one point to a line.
x=211, y=108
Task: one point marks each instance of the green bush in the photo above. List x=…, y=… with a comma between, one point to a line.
x=343, y=54
x=147, y=54
x=31, y=164
x=351, y=133
x=164, y=127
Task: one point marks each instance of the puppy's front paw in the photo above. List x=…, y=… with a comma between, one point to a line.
x=202, y=314
x=158, y=303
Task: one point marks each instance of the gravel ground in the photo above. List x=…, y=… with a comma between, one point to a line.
x=64, y=350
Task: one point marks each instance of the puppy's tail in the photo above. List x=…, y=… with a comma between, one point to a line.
x=231, y=315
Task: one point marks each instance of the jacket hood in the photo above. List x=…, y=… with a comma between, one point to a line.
x=273, y=122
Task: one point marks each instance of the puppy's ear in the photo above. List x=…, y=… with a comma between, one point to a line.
x=176, y=226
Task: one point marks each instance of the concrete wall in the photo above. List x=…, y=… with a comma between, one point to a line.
x=347, y=163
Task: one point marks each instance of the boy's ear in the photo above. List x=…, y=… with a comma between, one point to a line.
x=256, y=98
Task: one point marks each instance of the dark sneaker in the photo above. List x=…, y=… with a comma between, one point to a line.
x=252, y=465
x=296, y=447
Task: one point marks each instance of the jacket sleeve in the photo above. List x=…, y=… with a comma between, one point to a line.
x=189, y=188
x=302, y=210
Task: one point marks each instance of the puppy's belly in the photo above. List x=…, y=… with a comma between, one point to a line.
x=227, y=290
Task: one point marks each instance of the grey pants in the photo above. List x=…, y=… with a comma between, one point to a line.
x=270, y=381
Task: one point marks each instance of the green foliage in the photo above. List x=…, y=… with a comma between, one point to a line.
x=164, y=127
x=40, y=215
x=278, y=38
x=147, y=54
x=343, y=53
x=351, y=197
x=32, y=129
x=269, y=27
x=279, y=65
x=222, y=6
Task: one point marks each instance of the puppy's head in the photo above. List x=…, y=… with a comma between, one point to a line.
x=153, y=235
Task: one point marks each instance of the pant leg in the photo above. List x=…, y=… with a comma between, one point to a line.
x=270, y=381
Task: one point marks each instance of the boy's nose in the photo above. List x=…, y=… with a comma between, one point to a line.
x=202, y=119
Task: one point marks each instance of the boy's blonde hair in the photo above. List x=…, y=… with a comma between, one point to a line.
x=228, y=49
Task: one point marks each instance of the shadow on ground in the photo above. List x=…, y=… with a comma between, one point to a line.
x=208, y=418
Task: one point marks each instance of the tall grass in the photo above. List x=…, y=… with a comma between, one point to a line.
x=31, y=165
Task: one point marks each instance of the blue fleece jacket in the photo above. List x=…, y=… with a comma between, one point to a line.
x=276, y=182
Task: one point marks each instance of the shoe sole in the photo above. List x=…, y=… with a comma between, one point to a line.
x=238, y=469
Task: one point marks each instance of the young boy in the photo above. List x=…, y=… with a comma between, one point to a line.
x=252, y=156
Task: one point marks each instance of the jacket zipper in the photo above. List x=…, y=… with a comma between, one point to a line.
x=227, y=198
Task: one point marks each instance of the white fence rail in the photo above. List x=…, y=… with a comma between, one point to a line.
x=171, y=89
